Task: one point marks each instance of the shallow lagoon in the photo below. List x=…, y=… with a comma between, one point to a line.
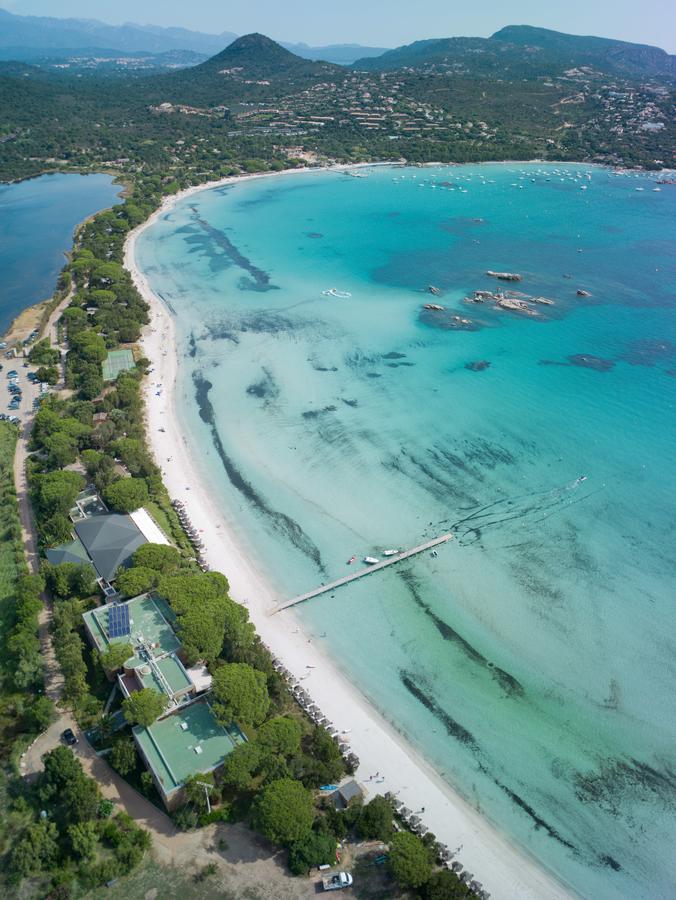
x=533, y=659
x=37, y=220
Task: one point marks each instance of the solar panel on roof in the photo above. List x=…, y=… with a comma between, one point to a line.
x=118, y=621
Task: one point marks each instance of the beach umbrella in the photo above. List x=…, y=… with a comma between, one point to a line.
x=442, y=846
x=457, y=866
x=414, y=820
x=405, y=812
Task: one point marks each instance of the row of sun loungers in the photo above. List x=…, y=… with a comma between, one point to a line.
x=193, y=534
x=444, y=855
x=314, y=713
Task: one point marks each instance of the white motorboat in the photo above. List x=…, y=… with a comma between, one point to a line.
x=371, y=560
x=390, y=552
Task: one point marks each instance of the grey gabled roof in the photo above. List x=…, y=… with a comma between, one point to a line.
x=110, y=541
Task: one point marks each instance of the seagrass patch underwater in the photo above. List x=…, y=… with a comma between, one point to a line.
x=532, y=659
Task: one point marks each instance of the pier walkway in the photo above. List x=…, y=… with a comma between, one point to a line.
x=332, y=585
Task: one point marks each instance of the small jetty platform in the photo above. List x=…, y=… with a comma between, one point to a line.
x=390, y=561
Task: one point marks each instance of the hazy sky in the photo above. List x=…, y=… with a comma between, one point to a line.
x=385, y=23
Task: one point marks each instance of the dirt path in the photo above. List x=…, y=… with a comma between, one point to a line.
x=246, y=865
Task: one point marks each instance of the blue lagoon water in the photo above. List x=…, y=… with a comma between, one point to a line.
x=533, y=660
x=37, y=219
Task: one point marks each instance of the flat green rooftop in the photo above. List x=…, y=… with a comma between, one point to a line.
x=150, y=618
x=171, y=671
x=117, y=361
x=186, y=743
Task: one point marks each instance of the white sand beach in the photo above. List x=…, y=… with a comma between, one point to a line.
x=388, y=761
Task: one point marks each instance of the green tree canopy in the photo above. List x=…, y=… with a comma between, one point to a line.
x=37, y=849
x=55, y=492
x=123, y=756
x=133, y=454
x=43, y=354
x=283, y=812
x=101, y=298
x=137, y=580
x=106, y=274
x=160, y=557
x=48, y=374
x=375, y=820
x=62, y=449
x=206, y=614
x=143, y=707
x=116, y=656
x=312, y=850
x=280, y=736
x=127, y=494
x=80, y=799
x=445, y=885
x=89, y=347
x=68, y=579
x=83, y=839
x=195, y=791
x=409, y=860
x=90, y=381
x=240, y=765
x=241, y=694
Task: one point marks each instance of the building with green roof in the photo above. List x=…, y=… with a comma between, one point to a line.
x=146, y=623
x=189, y=742
x=186, y=740
x=151, y=621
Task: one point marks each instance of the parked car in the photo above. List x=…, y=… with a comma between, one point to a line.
x=69, y=737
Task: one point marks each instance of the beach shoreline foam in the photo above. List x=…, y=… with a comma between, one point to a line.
x=505, y=870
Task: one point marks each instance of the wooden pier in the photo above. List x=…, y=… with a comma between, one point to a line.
x=332, y=585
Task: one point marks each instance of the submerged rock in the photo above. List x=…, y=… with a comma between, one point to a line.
x=478, y=365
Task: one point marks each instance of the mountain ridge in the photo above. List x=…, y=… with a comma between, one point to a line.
x=29, y=34
x=524, y=49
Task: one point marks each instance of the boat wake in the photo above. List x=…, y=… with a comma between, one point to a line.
x=528, y=509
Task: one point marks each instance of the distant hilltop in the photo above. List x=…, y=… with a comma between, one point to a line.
x=530, y=48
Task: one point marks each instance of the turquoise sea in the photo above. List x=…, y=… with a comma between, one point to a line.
x=533, y=661
x=37, y=219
